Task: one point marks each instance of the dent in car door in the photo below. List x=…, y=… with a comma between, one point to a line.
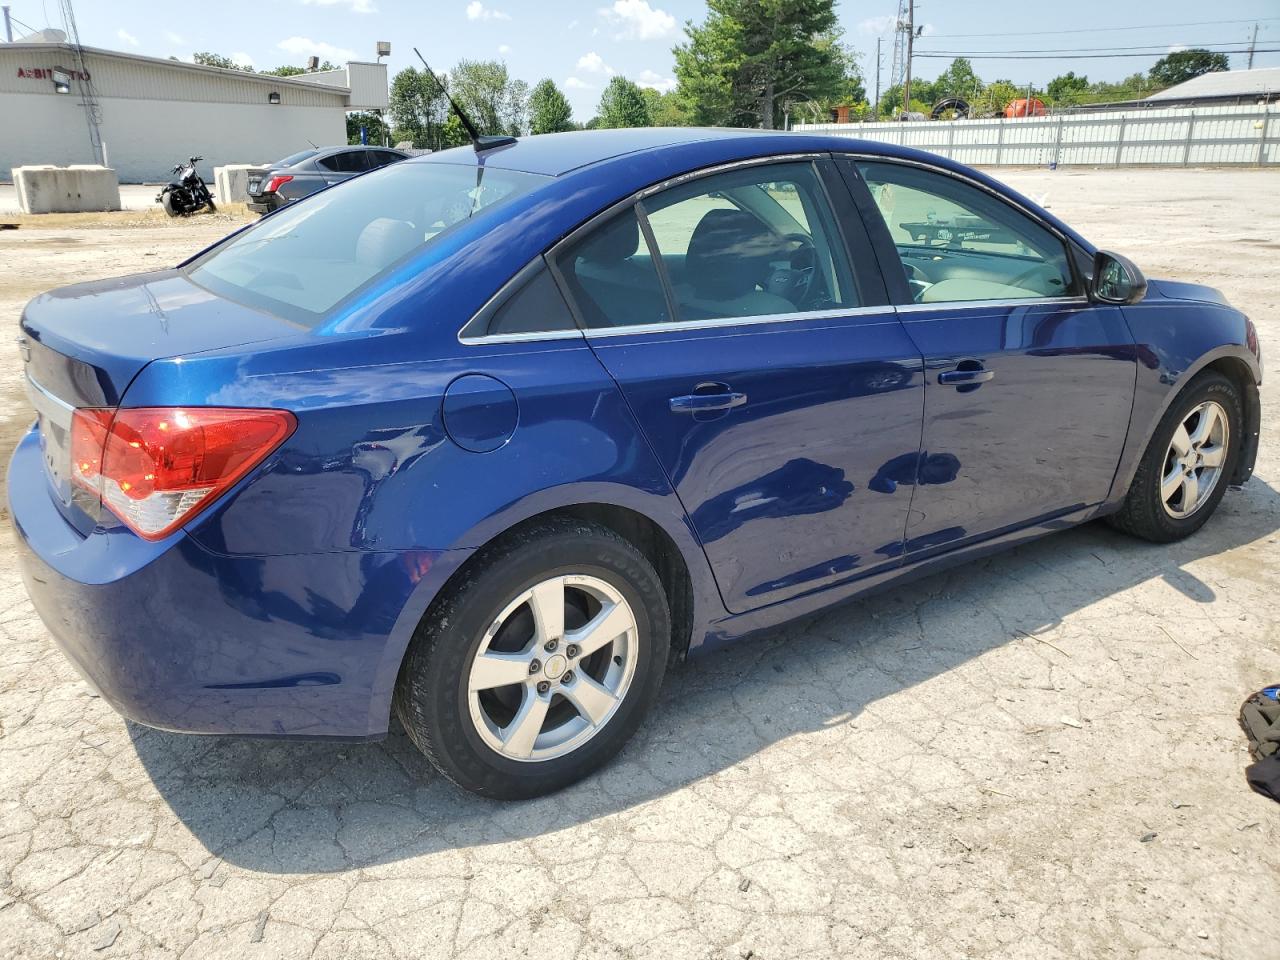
x=791, y=440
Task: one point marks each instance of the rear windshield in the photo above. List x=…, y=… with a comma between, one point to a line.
x=301, y=261
x=293, y=158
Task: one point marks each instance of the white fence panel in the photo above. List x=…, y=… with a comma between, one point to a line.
x=1177, y=136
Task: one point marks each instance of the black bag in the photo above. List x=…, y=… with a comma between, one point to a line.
x=1260, y=720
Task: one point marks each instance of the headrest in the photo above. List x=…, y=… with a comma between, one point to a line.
x=728, y=253
x=385, y=240
x=615, y=242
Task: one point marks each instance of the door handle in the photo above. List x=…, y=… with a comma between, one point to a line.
x=703, y=402
x=966, y=373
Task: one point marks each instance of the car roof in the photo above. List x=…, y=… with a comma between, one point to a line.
x=632, y=158
x=555, y=154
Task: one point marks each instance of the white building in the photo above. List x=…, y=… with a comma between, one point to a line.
x=60, y=105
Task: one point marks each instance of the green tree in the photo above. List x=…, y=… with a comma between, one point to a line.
x=1068, y=88
x=374, y=126
x=205, y=58
x=549, y=111
x=623, y=104
x=958, y=80
x=751, y=57
x=999, y=94
x=1184, y=64
x=418, y=109
x=666, y=109
x=289, y=70
x=495, y=103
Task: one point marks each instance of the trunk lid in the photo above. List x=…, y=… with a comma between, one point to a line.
x=82, y=346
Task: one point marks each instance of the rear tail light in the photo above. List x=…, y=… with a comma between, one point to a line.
x=276, y=182
x=157, y=467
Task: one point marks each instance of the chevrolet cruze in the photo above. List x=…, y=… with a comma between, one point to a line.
x=486, y=439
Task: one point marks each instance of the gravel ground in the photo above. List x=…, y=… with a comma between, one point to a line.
x=1036, y=756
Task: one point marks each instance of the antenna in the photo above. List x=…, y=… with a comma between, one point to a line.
x=479, y=141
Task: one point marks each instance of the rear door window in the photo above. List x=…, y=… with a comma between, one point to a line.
x=349, y=161
x=760, y=241
x=612, y=277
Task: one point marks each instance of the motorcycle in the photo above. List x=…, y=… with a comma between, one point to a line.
x=186, y=193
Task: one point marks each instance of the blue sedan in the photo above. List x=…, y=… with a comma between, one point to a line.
x=488, y=438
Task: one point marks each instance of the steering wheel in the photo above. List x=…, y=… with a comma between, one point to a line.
x=796, y=284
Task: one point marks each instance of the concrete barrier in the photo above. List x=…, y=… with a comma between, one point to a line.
x=73, y=189
x=231, y=182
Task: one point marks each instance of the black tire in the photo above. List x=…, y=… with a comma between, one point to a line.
x=213, y=207
x=431, y=697
x=167, y=202
x=1143, y=512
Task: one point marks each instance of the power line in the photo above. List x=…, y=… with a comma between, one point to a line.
x=1144, y=26
x=1155, y=47
x=944, y=55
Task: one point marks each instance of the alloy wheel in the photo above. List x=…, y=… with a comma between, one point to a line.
x=553, y=668
x=1195, y=459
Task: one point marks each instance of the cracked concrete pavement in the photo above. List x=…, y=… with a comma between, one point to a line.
x=1034, y=756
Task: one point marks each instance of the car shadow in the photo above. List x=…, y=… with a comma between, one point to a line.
x=289, y=807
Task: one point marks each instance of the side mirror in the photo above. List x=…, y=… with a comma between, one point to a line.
x=1116, y=279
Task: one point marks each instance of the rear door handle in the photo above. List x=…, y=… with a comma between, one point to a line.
x=966, y=372
x=702, y=402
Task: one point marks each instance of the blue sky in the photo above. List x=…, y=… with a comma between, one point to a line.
x=581, y=43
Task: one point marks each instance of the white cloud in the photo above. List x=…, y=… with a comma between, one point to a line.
x=656, y=81
x=1177, y=47
x=174, y=37
x=573, y=25
x=573, y=83
x=126, y=37
x=306, y=47
x=639, y=20
x=478, y=11
x=504, y=48
x=355, y=6
x=593, y=63
x=242, y=60
x=877, y=25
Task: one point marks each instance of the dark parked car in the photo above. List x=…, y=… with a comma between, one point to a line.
x=487, y=439
x=309, y=171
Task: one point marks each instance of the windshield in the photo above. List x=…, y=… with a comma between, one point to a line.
x=301, y=261
x=293, y=158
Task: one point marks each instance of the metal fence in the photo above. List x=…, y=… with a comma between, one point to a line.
x=1179, y=136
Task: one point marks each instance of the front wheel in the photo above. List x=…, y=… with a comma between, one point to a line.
x=213, y=208
x=1188, y=462
x=534, y=669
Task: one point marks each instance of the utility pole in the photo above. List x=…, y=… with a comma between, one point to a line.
x=911, y=36
x=1252, y=43
x=875, y=114
x=8, y=29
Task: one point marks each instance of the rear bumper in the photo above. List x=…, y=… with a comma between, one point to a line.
x=177, y=637
x=266, y=202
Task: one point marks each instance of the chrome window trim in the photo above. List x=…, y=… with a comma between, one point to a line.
x=716, y=323
x=530, y=337
x=981, y=304
x=495, y=302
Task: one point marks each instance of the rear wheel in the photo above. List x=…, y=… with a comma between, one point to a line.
x=539, y=664
x=1184, y=472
